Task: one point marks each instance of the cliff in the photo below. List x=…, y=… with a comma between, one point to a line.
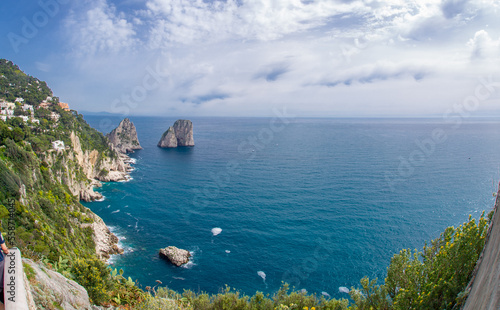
x=168, y=139
x=105, y=241
x=50, y=288
x=40, y=191
x=484, y=288
x=82, y=170
x=181, y=134
x=124, y=137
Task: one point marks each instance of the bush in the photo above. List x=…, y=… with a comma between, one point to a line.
x=94, y=276
x=436, y=277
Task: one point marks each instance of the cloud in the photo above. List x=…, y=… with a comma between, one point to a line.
x=202, y=21
x=242, y=57
x=214, y=95
x=452, y=8
x=377, y=72
x=273, y=72
x=483, y=46
x=99, y=29
x=44, y=67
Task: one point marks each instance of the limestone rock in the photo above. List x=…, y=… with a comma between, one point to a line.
x=168, y=139
x=181, y=134
x=124, y=137
x=175, y=255
x=184, y=132
x=105, y=241
x=107, y=169
x=52, y=288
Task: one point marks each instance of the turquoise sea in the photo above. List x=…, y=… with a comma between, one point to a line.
x=317, y=203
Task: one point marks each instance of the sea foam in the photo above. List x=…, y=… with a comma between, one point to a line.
x=216, y=231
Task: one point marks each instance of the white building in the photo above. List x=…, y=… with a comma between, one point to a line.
x=8, y=112
x=7, y=108
x=3, y=118
x=55, y=116
x=58, y=145
x=27, y=107
x=21, y=100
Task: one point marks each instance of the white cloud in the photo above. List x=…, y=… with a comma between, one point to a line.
x=99, y=29
x=483, y=46
x=244, y=57
x=194, y=21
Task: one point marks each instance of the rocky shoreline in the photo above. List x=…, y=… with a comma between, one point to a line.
x=122, y=140
x=106, y=243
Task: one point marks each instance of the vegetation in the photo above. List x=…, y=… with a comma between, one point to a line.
x=16, y=84
x=51, y=226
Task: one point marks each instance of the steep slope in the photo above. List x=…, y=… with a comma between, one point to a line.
x=41, y=184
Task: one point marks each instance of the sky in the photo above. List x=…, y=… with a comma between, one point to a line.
x=309, y=58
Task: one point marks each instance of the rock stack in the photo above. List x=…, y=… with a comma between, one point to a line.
x=124, y=137
x=175, y=255
x=181, y=134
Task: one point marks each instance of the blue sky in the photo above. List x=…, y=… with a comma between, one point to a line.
x=247, y=58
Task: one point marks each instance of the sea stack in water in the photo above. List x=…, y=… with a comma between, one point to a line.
x=175, y=255
x=181, y=134
x=168, y=138
x=124, y=137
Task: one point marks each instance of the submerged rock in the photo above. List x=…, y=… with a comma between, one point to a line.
x=124, y=137
x=175, y=255
x=181, y=134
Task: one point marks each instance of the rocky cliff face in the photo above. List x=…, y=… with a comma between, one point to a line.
x=124, y=137
x=168, y=138
x=184, y=132
x=52, y=288
x=106, y=243
x=84, y=170
x=181, y=134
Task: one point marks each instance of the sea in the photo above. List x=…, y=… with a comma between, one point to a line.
x=316, y=203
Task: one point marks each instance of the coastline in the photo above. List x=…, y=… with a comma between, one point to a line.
x=106, y=242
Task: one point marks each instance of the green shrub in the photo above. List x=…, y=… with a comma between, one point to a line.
x=95, y=277
x=434, y=278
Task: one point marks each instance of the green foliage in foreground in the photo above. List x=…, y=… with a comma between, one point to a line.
x=434, y=278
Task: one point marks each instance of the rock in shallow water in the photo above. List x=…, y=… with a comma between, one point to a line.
x=175, y=255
